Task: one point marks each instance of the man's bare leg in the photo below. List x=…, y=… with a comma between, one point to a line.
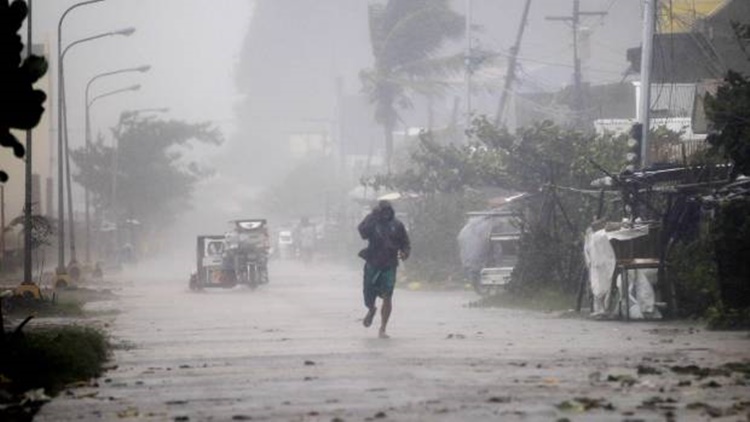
x=367, y=321
x=385, y=314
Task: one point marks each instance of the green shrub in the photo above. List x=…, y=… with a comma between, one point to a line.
x=434, y=222
x=692, y=269
x=731, y=236
x=721, y=318
x=50, y=358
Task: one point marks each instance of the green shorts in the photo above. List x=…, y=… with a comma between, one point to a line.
x=378, y=283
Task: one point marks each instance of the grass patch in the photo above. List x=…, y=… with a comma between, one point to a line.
x=21, y=307
x=53, y=357
x=543, y=300
x=60, y=303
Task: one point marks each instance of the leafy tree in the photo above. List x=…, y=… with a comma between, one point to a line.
x=405, y=36
x=42, y=229
x=154, y=179
x=729, y=111
x=20, y=103
x=552, y=164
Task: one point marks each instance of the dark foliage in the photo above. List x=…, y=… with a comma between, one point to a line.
x=154, y=178
x=729, y=111
x=731, y=234
x=53, y=357
x=20, y=104
x=552, y=164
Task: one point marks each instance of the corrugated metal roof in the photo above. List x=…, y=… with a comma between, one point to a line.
x=673, y=100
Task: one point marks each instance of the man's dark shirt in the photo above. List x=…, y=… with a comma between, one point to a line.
x=386, y=237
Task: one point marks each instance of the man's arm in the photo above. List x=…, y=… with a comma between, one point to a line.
x=405, y=243
x=367, y=226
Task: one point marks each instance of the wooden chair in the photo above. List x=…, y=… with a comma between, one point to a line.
x=636, y=254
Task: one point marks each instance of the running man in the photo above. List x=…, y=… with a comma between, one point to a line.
x=387, y=242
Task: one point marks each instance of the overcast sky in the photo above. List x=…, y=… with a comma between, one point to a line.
x=192, y=46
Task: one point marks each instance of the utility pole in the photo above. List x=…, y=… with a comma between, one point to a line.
x=27, y=274
x=510, y=74
x=2, y=227
x=575, y=21
x=649, y=26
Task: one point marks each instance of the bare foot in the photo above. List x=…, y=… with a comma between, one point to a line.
x=367, y=321
x=382, y=334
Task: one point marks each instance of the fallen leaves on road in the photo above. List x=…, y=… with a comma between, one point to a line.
x=648, y=370
x=130, y=412
x=176, y=402
x=584, y=404
x=658, y=403
x=624, y=380
x=700, y=372
x=711, y=411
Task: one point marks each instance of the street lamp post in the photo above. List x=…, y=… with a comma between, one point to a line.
x=60, y=145
x=114, y=149
x=64, y=126
x=142, y=69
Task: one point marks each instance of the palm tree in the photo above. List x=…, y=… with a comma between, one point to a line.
x=405, y=36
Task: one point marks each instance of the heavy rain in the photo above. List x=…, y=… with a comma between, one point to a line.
x=407, y=210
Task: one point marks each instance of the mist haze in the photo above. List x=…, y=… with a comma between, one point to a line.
x=267, y=71
x=313, y=210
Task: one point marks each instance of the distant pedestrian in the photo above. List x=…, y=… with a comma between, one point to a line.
x=307, y=235
x=387, y=242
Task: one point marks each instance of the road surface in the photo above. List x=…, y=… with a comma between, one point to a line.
x=295, y=350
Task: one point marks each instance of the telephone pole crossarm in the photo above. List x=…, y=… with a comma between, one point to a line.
x=575, y=20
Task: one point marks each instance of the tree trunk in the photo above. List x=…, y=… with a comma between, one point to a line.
x=388, y=132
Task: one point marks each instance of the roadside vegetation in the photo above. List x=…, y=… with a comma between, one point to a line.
x=51, y=357
x=555, y=166
x=441, y=177
x=39, y=358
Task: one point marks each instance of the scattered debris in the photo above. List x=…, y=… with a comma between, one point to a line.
x=648, y=370
x=35, y=396
x=130, y=412
x=711, y=411
x=176, y=402
x=711, y=384
x=624, y=380
x=699, y=372
x=584, y=404
x=658, y=403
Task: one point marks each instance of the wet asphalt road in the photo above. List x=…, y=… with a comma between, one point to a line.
x=295, y=350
